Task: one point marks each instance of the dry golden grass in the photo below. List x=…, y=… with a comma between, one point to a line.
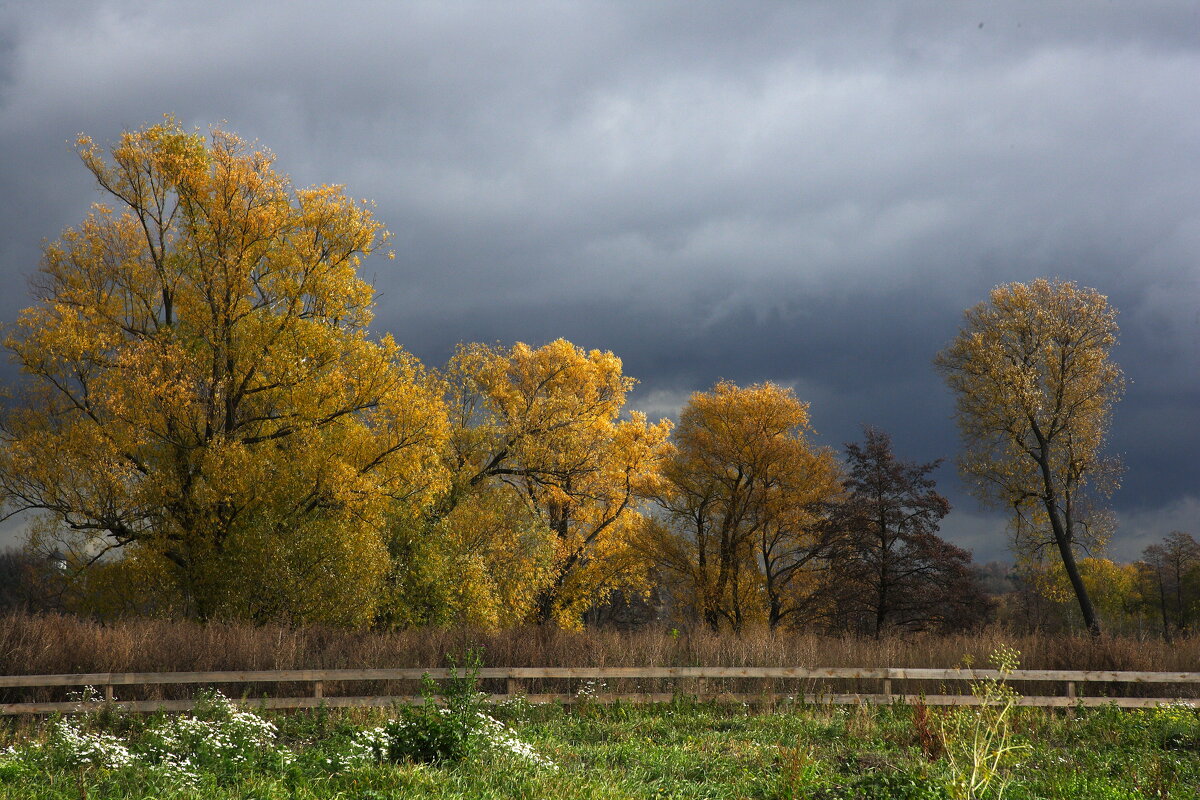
x=52, y=644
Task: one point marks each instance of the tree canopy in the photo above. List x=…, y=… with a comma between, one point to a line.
x=891, y=569
x=206, y=426
x=1035, y=387
x=740, y=506
x=202, y=392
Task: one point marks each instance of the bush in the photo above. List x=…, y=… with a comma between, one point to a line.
x=899, y=786
x=444, y=732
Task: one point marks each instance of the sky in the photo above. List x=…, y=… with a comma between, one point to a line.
x=809, y=193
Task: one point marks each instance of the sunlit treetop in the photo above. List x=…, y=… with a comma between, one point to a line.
x=200, y=369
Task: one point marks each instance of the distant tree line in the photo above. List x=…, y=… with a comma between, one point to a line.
x=1159, y=594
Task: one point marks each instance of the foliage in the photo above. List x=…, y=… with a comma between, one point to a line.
x=1115, y=589
x=438, y=732
x=1169, y=577
x=889, y=566
x=202, y=394
x=27, y=582
x=544, y=498
x=217, y=739
x=450, y=726
x=742, y=500
x=481, y=564
x=1035, y=390
x=900, y=786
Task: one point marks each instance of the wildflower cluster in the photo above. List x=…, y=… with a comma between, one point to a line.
x=424, y=738
x=219, y=737
x=449, y=726
x=69, y=746
x=589, y=689
x=499, y=737
x=222, y=740
x=219, y=734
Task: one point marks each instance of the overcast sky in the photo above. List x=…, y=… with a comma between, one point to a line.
x=804, y=192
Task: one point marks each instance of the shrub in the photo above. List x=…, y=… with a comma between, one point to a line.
x=899, y=786
x=449, y=731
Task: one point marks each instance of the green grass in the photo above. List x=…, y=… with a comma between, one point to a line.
x=681, y=750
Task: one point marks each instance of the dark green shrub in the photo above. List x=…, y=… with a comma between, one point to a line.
x=899, y=786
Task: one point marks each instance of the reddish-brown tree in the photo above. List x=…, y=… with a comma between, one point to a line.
x=891, y=569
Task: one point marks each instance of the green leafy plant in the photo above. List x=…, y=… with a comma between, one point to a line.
x=1175, y=726
x=449, y=726
x=978, y=741
x=439, y=731
x=900, y=786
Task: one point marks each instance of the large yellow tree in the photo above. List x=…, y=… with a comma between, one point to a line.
x=741, y=506
x=1035, y=386
x=540, y=435
x=202, y=393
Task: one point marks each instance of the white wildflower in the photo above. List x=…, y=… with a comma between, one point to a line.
x=500, y=737
x=88, y=749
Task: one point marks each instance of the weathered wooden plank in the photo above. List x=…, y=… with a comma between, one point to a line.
x=233, y=676
x=587, y=673
x=894, y=673
x=1081, y=676
x=511, y=675
x=643, y=697
x=616, y=673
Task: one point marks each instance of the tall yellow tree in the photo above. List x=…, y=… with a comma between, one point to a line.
x=742, y=501
x=202, y=393
x=539, y=434
x=1035, y=387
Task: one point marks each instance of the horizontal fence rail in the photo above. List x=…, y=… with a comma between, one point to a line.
x=809, y=685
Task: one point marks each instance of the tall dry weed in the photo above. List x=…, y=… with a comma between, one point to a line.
x=54, y=644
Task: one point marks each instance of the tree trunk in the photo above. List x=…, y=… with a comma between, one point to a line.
x=775, y=616
x=1063, y=537
x=1068, y=557
x=1162, y=596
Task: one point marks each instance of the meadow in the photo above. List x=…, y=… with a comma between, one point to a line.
x=468, y=748
x=678, y=750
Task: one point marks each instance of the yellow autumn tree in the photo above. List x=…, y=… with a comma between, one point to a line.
x=202, y=394
x=480, y=563
x=547, y=477
x=741, y=504
x=1035, y=388
x=1113, y=587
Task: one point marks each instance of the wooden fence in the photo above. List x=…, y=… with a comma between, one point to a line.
x=570, y=684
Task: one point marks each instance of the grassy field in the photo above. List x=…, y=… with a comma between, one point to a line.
x=593, y=751
x=589, y=751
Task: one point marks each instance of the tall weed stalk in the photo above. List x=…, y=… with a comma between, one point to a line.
x=978, y=741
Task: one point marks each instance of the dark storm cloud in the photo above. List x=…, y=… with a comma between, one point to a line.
x=808, y=193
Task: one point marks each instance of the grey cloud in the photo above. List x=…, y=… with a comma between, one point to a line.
x=808, y=193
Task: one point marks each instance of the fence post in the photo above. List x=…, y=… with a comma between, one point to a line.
x=512, y=687
x=887, y=689
x=318, y=689
x=108, y=693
